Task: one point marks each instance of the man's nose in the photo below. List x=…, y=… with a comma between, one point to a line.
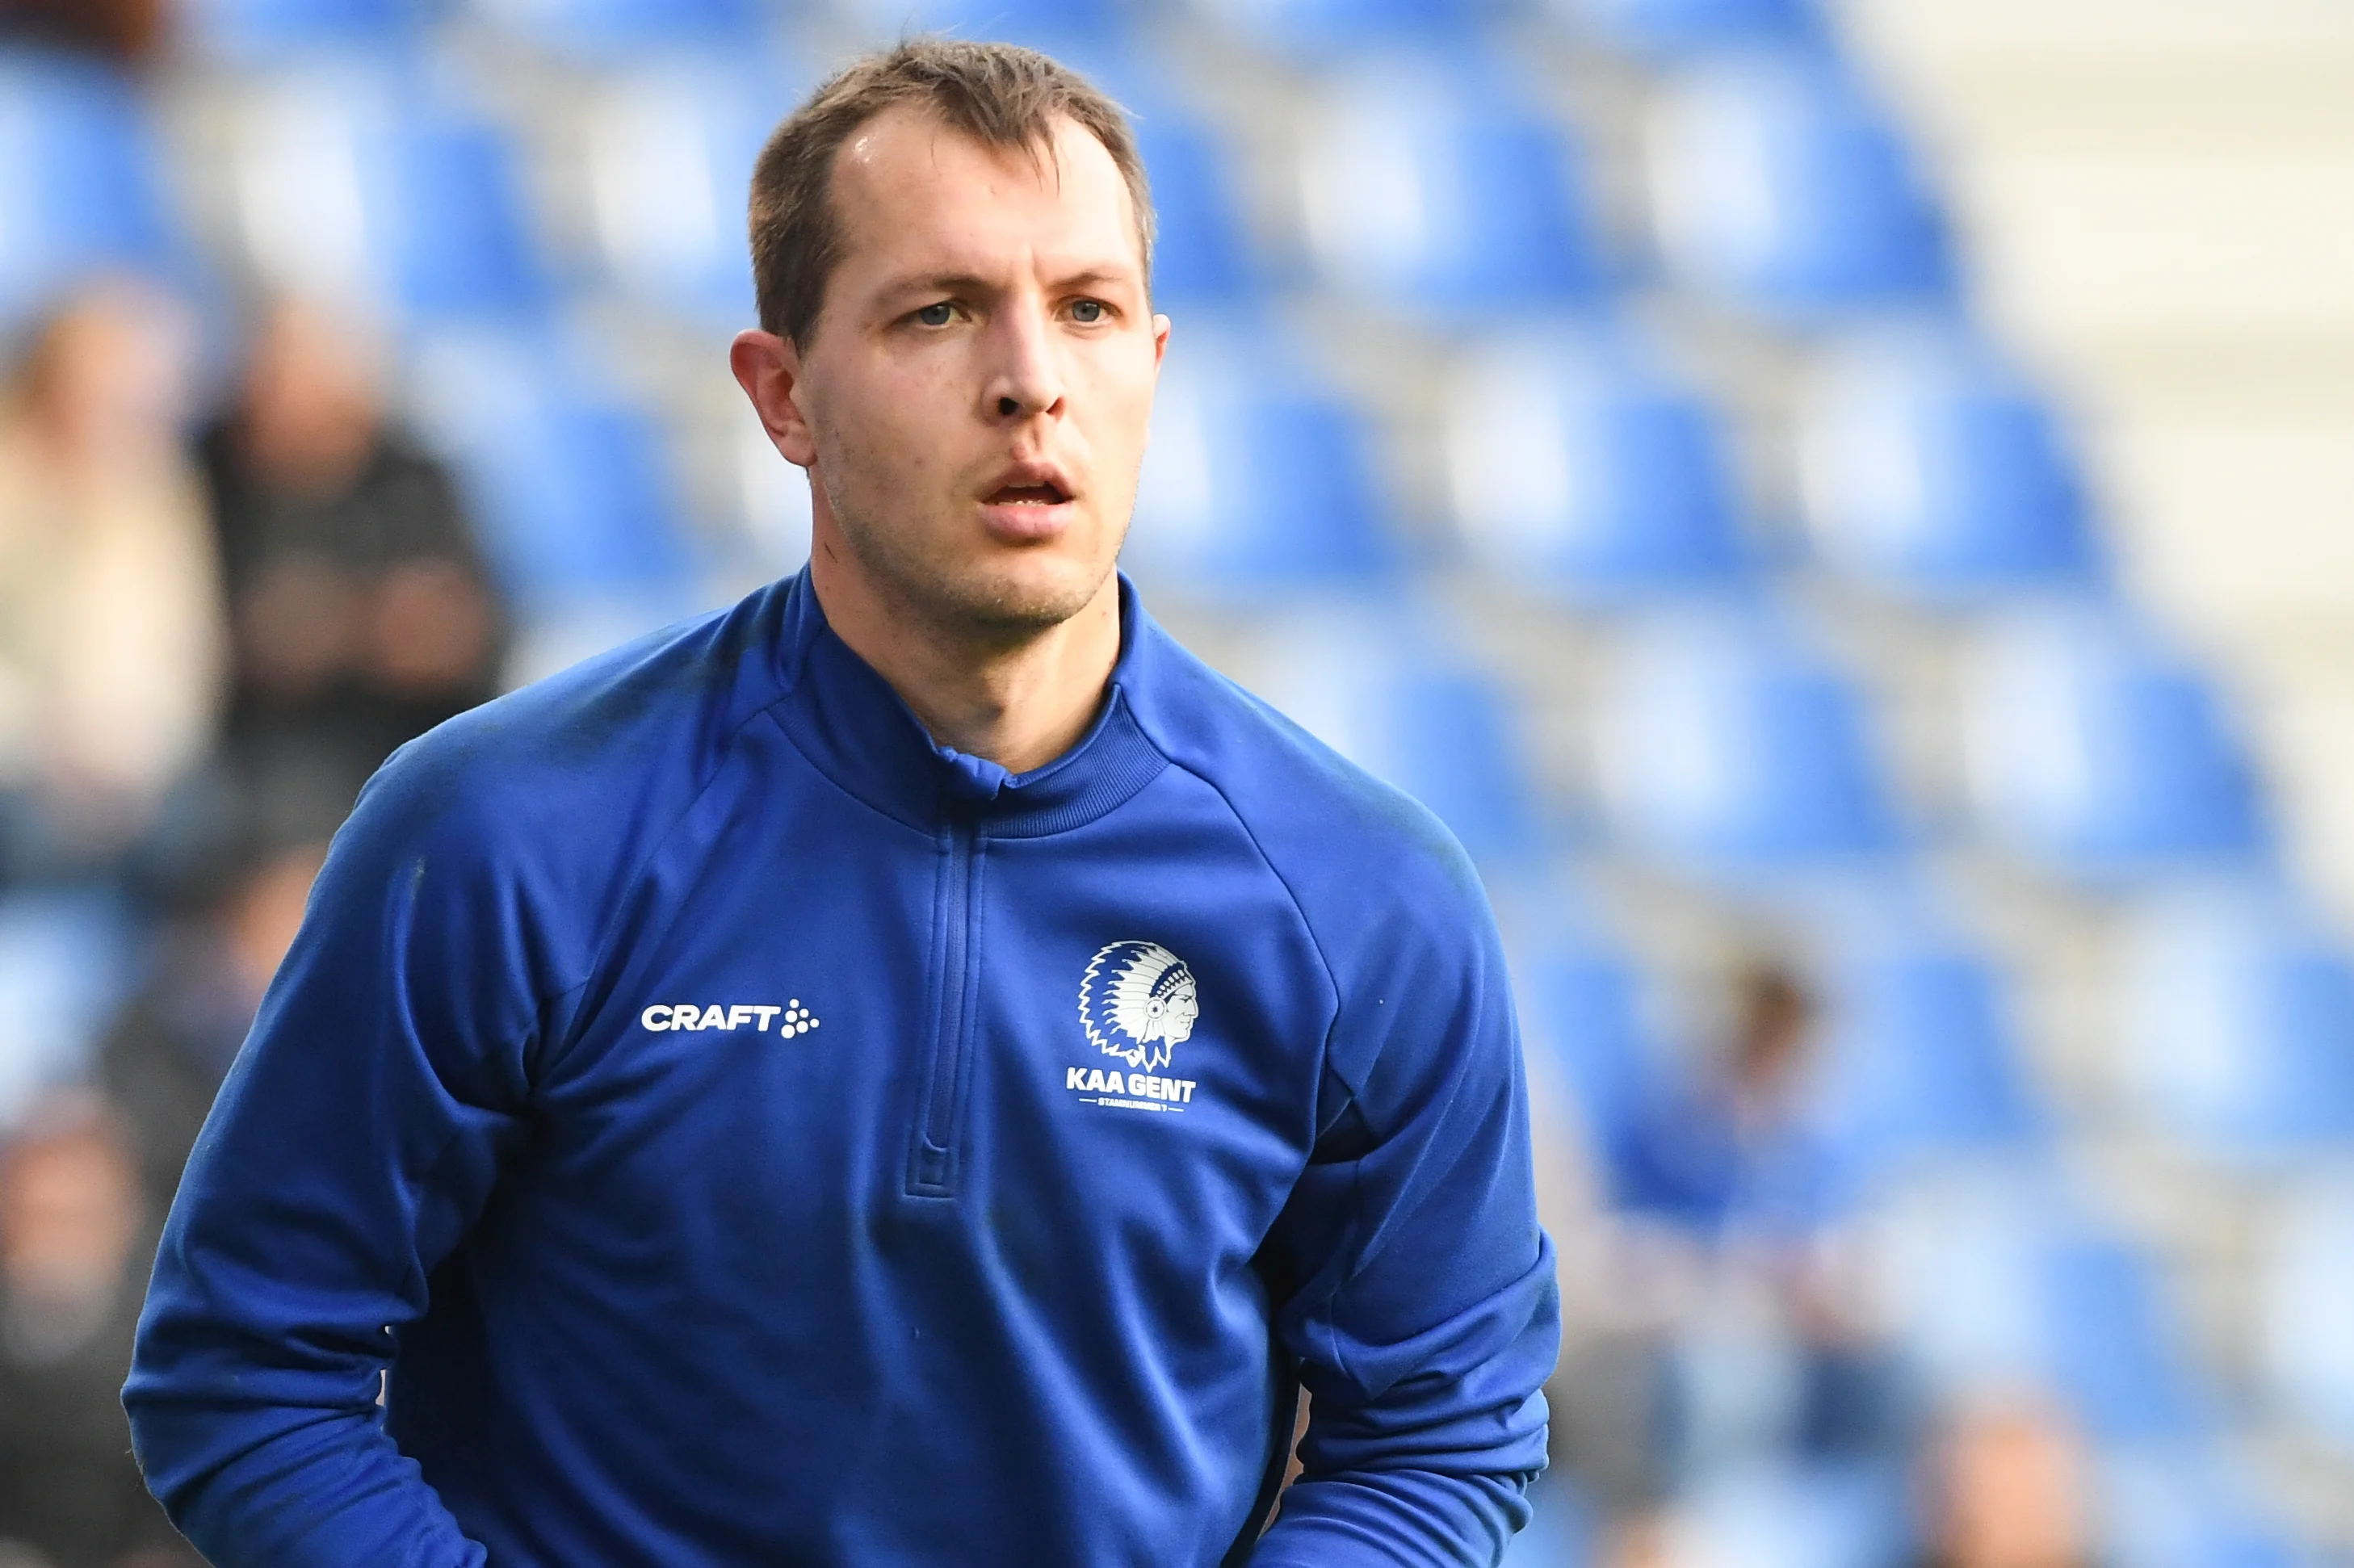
x=1027, y=377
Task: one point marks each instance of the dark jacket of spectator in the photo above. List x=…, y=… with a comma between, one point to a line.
x=73, y=1243
x=69, y=1488
x=126, y=30
x=363, y=613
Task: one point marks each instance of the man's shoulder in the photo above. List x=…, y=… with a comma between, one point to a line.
x=585, y=751
x=1354, y=851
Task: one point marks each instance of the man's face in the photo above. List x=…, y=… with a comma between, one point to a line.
x=978, y=386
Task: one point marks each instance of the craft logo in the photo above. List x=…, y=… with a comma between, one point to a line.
x=795, y=1018
x=1137, y=1001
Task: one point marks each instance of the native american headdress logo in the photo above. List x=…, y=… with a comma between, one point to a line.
x=1136, y=1000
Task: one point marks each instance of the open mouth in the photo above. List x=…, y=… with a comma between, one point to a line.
x=1046, y=494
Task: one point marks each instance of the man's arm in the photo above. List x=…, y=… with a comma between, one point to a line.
x=351, y=1148
x=1425, y=1315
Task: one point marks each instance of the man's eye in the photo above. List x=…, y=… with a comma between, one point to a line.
x=1089, y=311
x=936, y=315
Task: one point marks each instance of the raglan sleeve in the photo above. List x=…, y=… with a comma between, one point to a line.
x=352, y=1147
x=1422, y=1303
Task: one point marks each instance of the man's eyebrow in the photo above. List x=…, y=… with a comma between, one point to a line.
x=1092, y=276
x=941, y=283
x=1096, y=276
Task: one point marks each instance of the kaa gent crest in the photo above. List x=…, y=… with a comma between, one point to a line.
x=1136, y=1000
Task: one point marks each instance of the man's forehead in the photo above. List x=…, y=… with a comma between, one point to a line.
x=907, y=175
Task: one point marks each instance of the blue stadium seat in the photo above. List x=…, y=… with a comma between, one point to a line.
x=1577, y=468
x=1393, y=696
x=1588, y=1037
x=373, y=184
x=2097, y=752
x=1582, y=1010
x=2002, y=1283
x=1315, y=28
x=2115, y=1354
x=670, y=155
x=249, y=31
x=622, y=28
x=67, y=960
x=1258, y=478
x=2179, y=1505
x=1920, y=1059
x=1200, y=255
x=1733, y=747
x=458, y=238
x=1674, y=27
x=80, y=180
x=1448, y=738
x=2305, y=1335
x=1796, y=1515
x=1434, y=187
x=570, y=481
x=1782, y=191
x=1055, y=25
x=1933, y=473
x=2238, y=1010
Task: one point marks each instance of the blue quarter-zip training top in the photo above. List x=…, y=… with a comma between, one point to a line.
x=741, y=1132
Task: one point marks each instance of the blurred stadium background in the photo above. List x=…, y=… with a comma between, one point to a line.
x=1848, y=513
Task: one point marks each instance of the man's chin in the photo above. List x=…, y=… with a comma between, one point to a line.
x=1013, y=602
x=1029, y=607
x=983, y=588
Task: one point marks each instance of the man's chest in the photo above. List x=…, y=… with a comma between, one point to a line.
x=1119, y=1031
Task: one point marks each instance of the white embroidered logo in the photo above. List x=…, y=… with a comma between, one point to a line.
x=1136, y=1000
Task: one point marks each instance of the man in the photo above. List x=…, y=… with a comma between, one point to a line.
x=907, y=1070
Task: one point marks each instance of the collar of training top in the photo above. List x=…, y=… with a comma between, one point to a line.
x=853, y=728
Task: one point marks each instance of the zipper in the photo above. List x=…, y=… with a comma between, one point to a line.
x=932, y=1170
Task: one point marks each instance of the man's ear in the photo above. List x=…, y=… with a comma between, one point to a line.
x=769, y=368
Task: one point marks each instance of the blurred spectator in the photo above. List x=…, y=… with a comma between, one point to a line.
x=1726, y=1151
x=164, y=1057
x=2008, y=1488
x=1638, y=1542
x=110, y=634
x=362, y=609
x=126, y=29
x=72, y=1249
x=1733, y=1228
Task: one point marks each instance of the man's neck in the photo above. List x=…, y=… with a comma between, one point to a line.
x=1019, y=701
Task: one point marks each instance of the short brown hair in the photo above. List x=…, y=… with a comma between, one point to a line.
x=1000, y=94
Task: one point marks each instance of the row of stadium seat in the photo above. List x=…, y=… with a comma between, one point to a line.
x=1734, y=747
x=81, y=181
x=264, y=29
x=1580, y=466
x=1439, y=193
x=2233, y=1008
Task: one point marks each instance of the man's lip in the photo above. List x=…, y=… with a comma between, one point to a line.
x=1026, y=520
x=1029, y=484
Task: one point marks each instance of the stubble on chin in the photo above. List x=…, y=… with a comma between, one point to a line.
x=965, y=600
